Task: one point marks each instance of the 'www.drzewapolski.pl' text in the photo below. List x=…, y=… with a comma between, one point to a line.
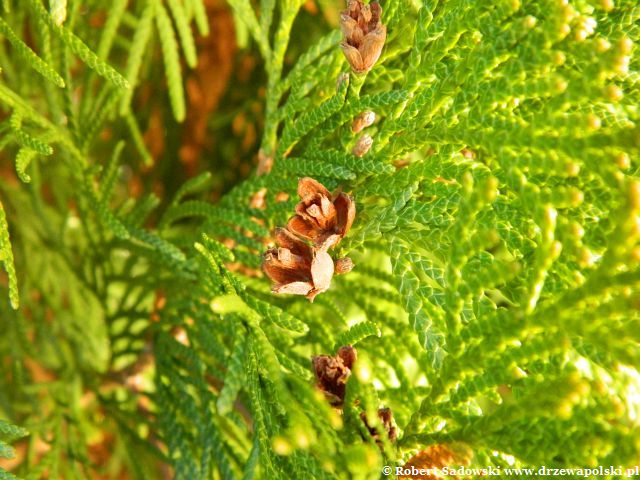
x=540, y=471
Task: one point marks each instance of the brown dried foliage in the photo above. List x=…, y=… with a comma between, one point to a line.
x=206, y=84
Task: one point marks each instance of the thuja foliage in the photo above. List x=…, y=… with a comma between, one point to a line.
x=494, y=299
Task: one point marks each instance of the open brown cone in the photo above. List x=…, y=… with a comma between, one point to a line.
x=296, y=267
x=300, y=264
x=333, y=372
x=388, y=424
x=363, y=34
x=322, y=218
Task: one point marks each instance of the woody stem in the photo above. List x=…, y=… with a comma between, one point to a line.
x=274, y=93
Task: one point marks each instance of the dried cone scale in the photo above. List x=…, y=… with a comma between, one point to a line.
x=363, y=34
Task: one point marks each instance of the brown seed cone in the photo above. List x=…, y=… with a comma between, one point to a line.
x=386, y=417
x=363, y=34
x=320, y=217
x=333, y=372
x=297, y=268
x=348, y=355
x=300, y=264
